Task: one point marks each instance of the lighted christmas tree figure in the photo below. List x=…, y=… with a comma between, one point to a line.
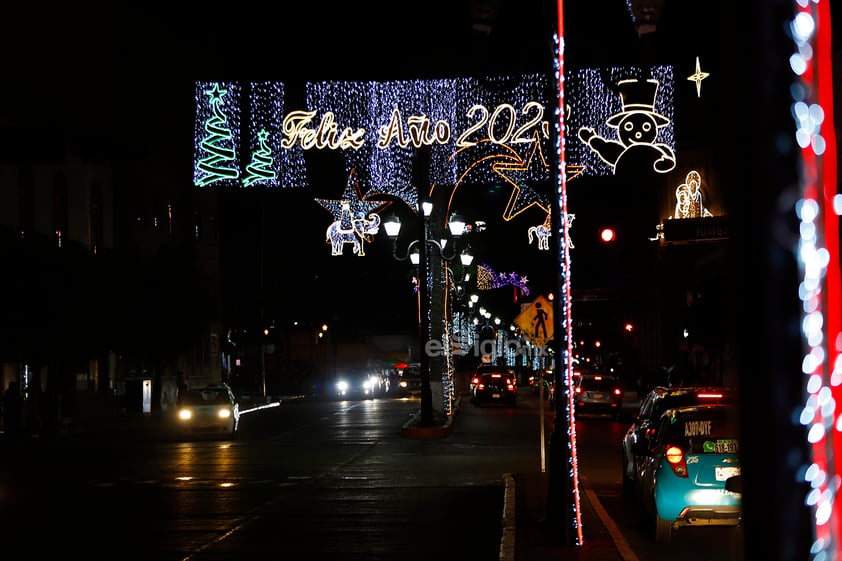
x=260, y=168
x=214, y=144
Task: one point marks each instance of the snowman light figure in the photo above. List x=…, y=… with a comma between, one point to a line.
x=637, y=128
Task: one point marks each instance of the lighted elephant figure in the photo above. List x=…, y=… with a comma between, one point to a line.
x=357, y=235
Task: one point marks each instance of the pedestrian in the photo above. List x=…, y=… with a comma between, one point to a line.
x=12, y=411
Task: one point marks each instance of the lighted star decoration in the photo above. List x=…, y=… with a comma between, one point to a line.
x=698, y=77
x=355, y=219
x=522, y=175
x=572, y=171
x=357, y=205
x=407, y=193
x=488, y=279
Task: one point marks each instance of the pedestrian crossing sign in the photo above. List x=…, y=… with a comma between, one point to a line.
x=536, y=321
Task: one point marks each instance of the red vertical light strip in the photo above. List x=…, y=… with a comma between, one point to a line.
x=568, y=363
x=822, y=291
x=832, y=309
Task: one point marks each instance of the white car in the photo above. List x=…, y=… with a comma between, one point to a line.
x=208, y=411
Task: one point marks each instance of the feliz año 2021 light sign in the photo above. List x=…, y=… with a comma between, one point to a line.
x=245, y=135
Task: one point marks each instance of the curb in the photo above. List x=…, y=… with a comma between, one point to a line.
x=411, y=430
x=507, y=540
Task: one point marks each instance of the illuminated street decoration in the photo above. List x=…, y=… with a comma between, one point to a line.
x=488, y=279
x=697, y=77
x=542, y=233
x=260, y=167
x=360, y=231
x=355, y=220
x=567, y=505
x=819, y=262
x=407, y=193
x=688, y=198
x=637, y=129
x=377, y=127
x=526, y=176
x=271, y=165
x=591, y=96
x=567, y=239
x=217, y=139
x=441, y=115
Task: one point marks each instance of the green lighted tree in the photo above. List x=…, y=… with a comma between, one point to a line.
x=260, y=167
x=214, y=145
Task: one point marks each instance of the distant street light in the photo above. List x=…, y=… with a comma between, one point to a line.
x=417, y=252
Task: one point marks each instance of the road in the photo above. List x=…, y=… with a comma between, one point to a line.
x=304, y=480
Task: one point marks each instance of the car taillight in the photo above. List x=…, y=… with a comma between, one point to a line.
x=511, y=386
x=475, y=380
x=618, y=391
x=675, y=458
x=480, y=386
x=708, y=395
x=578, y=390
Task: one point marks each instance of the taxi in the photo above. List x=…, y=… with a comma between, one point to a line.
x=695, y=451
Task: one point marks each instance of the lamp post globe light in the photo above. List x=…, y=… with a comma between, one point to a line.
x=418, y=252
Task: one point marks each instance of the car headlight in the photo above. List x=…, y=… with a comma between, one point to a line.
x=185, y=414
x=224, y=413
x=367, y=384
x=342, y=385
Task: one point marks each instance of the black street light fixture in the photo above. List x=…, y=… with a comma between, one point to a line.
x=417, y=252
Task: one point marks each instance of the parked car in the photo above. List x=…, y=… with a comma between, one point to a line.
x=694, y=451
x=508, y=371
x=594, y=393
x=659, y=399
x=495, y=387
x=208, y=411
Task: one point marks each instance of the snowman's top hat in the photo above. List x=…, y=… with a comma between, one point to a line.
x=638, y=96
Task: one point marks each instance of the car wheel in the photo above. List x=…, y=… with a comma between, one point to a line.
x=663, y=530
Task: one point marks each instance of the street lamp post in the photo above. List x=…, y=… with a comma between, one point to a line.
x=420, y=257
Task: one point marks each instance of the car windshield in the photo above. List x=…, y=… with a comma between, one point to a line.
x=682, y=400
x=599, y=384
x=711, y=431
x=495, y=378
x=205, y=397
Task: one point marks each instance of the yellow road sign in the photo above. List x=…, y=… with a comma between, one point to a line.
x=536, y=321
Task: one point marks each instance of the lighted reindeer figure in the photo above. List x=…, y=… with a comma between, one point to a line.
x=542, y=233
x=357, y=235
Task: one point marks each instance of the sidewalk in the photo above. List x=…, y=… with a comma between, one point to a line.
x=525, y=538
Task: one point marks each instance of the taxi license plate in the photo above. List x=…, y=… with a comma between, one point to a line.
x=495, y=395
x=724, y=472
